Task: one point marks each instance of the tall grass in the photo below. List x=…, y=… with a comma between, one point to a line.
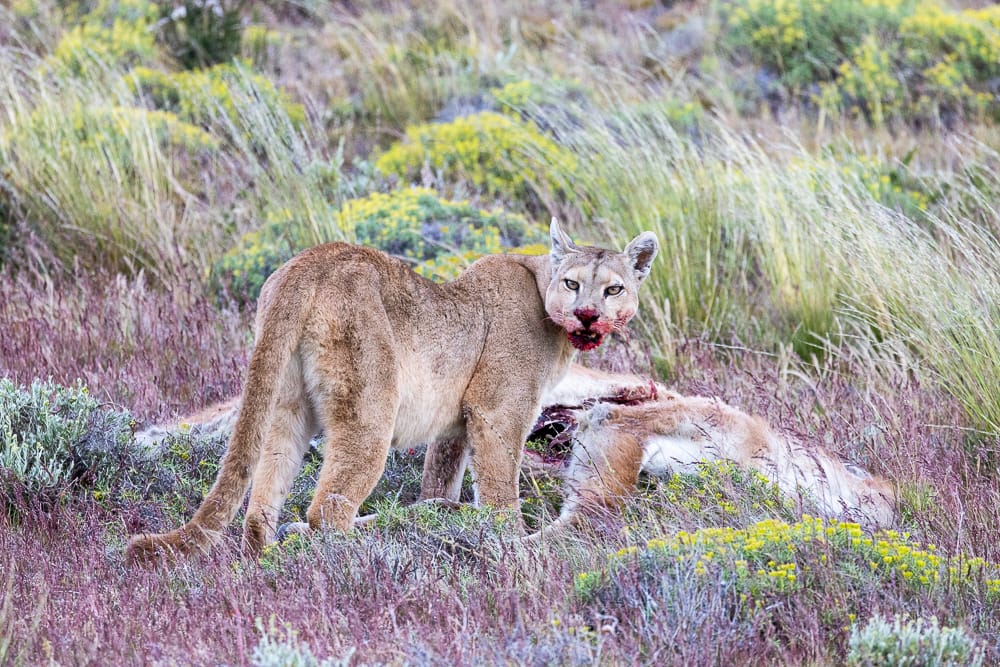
x=398, y=64
x=93, y=178
x=160, y=353
x=940, y=296
x=293, y=177
x=738, y=242
x=97, y=175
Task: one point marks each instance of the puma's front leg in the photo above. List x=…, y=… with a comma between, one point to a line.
x=496, y=436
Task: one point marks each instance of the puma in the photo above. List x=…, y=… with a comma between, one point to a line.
x=350, y=340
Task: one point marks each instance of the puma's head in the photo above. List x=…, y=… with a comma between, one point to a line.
x=594, y=292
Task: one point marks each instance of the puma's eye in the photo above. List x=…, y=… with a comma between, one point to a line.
x=614, y=290
x=571, y=284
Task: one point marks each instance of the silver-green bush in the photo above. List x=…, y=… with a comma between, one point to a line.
x=918, y=643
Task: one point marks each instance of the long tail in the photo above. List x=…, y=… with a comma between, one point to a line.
x=279, y=333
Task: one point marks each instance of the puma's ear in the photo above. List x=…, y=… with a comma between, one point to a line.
x=641, y=251
x=561, y=243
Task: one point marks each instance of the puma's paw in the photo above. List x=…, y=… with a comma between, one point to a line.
x=154, y=549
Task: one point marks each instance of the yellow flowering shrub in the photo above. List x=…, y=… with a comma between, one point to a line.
x=440, y=237
x=114, y=33
x=773, y=558
x=956, y=55
x=242, y=271
x=200, y=95
x=970, y=39
x=516, y=95
x=805, y=40
x=114, y=130
x=25, y=9
x=120, y=121
x=722, y=490
x=882, y=59
x=869, y=80
x=501, y=156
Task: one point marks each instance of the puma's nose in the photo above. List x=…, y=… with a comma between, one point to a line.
x=587, y=316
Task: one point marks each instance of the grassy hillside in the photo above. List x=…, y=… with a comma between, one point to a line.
x=823, y=177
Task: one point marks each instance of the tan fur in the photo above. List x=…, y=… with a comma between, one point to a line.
x=352, y=341
x=667, y=432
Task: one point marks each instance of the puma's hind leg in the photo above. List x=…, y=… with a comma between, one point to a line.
x=291, y=426
x=357, y=400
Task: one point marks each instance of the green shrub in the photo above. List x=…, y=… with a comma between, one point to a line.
x=436, y=236
x=201, y=33
x=517, y=95
x=882, y=59
x=902, y=641
x=115, y=33
x=108, y=130
x=868, y=80
x=499, y=155
x=99, y=127
x=51, y=435
x=956, y=56
x=281, y=647
x=724, y=491
x=770, y=559
x=399, y=485
x=242, y=271
x=205, y=95
x=524, y=98
x=805, y=41
x=418, y=224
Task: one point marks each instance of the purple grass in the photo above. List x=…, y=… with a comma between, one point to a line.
x=156, y=353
